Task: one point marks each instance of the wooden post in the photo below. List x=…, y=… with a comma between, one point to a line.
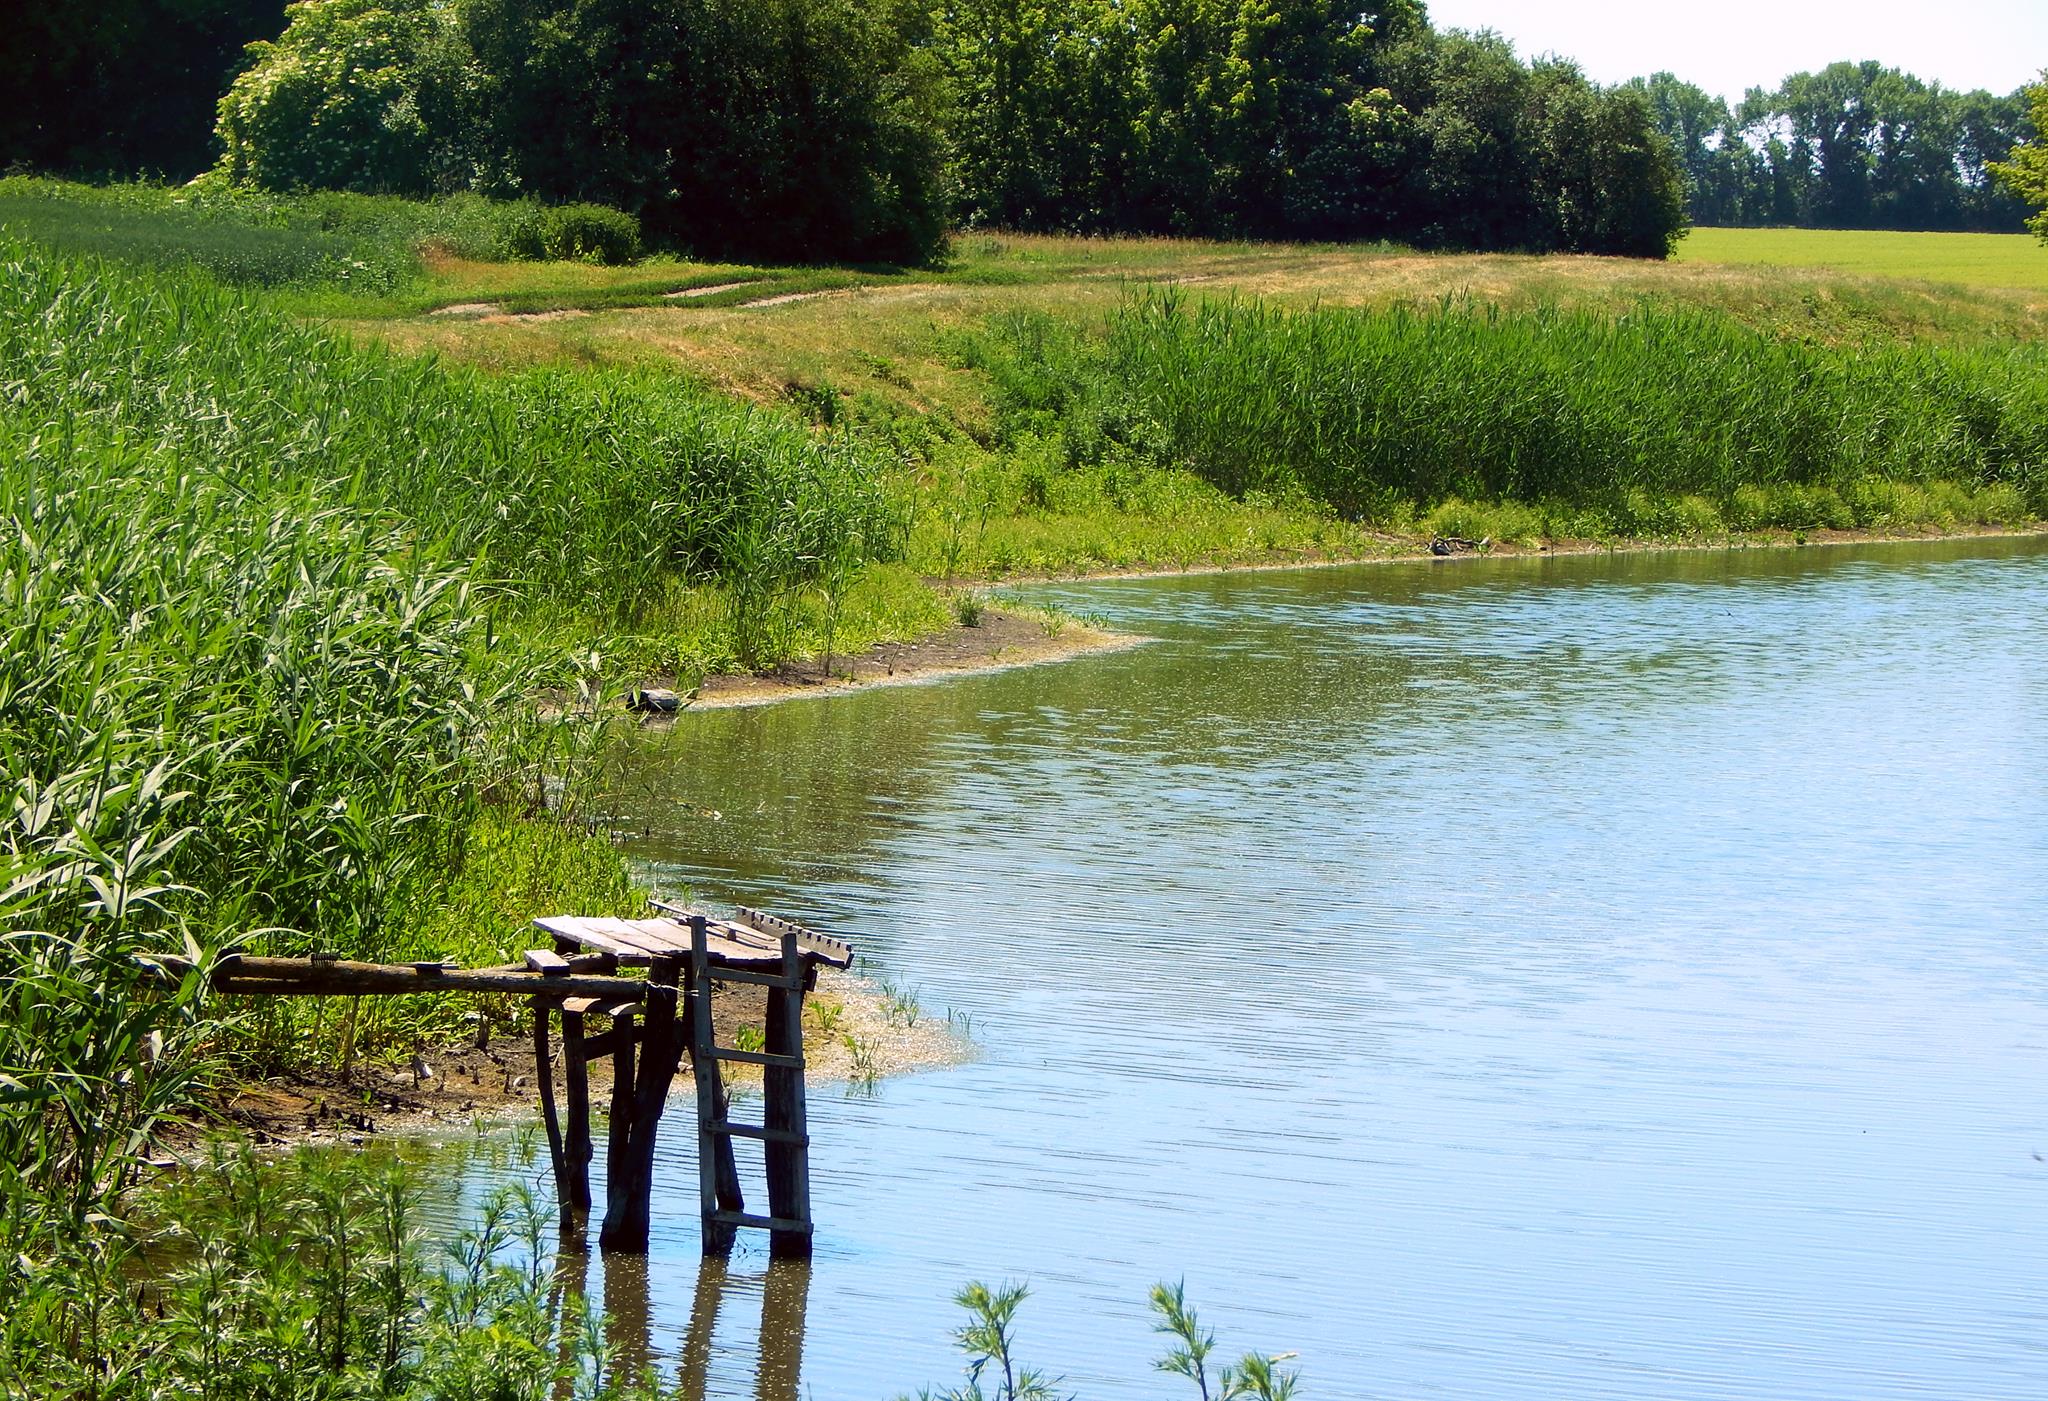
x=714, y=1150
x=544, y=1074
x=576, y=1147
x=619, y=1141
x=661, y=1049
x=786, y=1149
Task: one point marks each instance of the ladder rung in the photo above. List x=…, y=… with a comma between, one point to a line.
x=747, y=975
x=781, y=1062
x=760, y=1223
x=760, y=1131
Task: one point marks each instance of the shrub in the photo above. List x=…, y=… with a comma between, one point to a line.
x=590, y=233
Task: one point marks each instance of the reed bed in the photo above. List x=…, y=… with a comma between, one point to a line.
x=260, y=676
x=1657, y=420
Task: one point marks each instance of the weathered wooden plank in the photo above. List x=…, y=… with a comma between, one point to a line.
x=777, y=1224
x=581, y=931
x=787, y=1154
x=546, y=961
x=783, y=1062
x=761, y=1132
x=296, y=976
x=726, y=974
x=822, y=947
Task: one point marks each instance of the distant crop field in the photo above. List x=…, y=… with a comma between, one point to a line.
x=1980, y=260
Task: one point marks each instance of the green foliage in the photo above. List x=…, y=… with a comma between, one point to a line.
x=122, y=86
x=252, y=678
x=790, y=129
x=1854, y=145
x=355, y=95
x=1253, y=1375
x=1291, y=119
x=326, y=239
x=1378, y=413
x=310, y=1276
x=2025, y=174
x=988, y=1338
x=589, y=233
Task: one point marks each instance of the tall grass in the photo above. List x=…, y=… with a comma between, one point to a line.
x=322, y=239
x=312, y=1277
x=1381, y=413
x=255, y=676
x=565, y=484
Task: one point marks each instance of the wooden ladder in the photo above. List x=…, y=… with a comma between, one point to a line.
x=783, y=1132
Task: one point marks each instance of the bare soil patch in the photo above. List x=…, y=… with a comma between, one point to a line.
x=711, y=291
x=998, y=641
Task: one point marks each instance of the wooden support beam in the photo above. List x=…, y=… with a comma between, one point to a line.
x=618, y=1041
x=779, y=1059
x=718, y=1178
x=786, y=1133
x=576, y=1146
x=544, y=1076
x=619, y=1144
x=631, y=1179
x=280, y=977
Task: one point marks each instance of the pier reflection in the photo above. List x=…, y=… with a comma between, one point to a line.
x=784, y=1287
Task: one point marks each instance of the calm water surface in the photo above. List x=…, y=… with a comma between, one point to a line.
x=1597, y=977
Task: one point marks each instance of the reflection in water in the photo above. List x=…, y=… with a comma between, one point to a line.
x=783, y=1285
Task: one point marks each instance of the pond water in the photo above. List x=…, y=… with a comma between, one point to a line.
x=1591, y=977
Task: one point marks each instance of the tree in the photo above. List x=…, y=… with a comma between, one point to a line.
x=2025, y=173
x=366, y=95
x=121, y=86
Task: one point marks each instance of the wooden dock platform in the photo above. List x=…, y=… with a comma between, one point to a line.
x=648, y=1025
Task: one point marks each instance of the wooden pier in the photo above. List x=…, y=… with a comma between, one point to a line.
x=649, y=1024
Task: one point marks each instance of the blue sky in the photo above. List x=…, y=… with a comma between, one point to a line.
x=1733, y=45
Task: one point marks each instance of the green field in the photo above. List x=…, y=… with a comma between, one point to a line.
x=1973, y=259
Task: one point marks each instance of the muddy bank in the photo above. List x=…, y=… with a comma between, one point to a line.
x=855, y=1031
x=999, y=640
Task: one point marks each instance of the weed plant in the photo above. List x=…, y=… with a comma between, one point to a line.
x=312, y=1277
x=1659, y=422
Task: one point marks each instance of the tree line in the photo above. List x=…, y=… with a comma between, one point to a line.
x=863, y=129
x=1854, y=146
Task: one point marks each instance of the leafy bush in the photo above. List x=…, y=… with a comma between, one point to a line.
x=584, y=232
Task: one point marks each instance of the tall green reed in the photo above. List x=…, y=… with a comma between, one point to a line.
x=1376, y=410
